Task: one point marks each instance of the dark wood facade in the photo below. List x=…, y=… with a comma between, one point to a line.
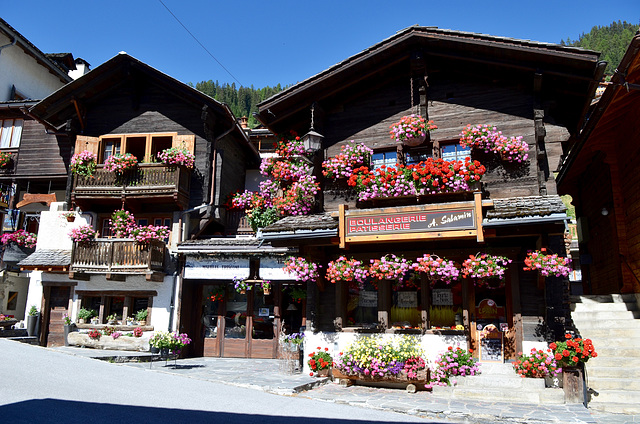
x=534, y=90
x=600, y=175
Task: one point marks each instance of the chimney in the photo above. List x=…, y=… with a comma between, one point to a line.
x=244, y=122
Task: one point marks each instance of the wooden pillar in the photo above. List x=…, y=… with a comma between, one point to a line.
x=425, y=301
x=342, y=296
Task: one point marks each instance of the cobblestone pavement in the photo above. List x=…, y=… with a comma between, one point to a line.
x=271, y=376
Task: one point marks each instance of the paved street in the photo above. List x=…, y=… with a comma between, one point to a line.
x=65, y=385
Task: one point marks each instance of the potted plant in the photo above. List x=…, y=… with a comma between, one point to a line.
x=350, y=270
x=412, y=130
x=452, y=363
x=376, y=359
x=131, y=320
x=320, y=362
x=486, y=270
x=70, y=216
x=84, y=163
x=32, y=320
x=122, y=222
x=112, y=319
x=166, y=342
x=437, y=269
x=5, y=160
x=352, y=156
x=266, y=287
x=141, y=316
x=18, y=245
x=298, y=294
x=145, y=233
x=84, y=315
x=119, y=164
x=175, y=156
x=301, y=268
x=83, y=234
x=547, y=264
x=240, y=285
x=539, y=364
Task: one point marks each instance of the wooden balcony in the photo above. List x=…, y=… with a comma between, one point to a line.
x=148, y=183
x=118, y=257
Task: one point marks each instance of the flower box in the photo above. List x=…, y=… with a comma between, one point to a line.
x=401, y=380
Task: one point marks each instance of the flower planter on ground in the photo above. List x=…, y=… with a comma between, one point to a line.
x=401, y=381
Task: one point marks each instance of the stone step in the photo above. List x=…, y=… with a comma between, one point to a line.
x=554, y=396
x=604, y=341
x=597, y=371
x=609, y=383
x=605, y=332
x=606, y=298
x=605, y=315
x=616, y=396
x=604, y=307
x=617, y=351
x=489, y=381
x=616, y=408
x=586, y=322
x=611, y=361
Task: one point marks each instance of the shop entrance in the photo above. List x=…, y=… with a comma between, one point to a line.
x=491, y=321
x=241, y=325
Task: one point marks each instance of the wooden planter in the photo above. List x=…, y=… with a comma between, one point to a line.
x=401, y=380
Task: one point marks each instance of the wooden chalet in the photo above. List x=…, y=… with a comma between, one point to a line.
x=599, y=173
x=126, y=106
x=535, y=90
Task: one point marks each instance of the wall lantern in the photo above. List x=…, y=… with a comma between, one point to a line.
x=312, y=141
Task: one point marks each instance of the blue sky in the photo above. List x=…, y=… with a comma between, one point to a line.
x=269, y=42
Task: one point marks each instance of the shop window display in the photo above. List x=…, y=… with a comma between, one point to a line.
x=445, y=310
x=236, y=316
x=262, y=317
x=362, y=306
x=213, y=296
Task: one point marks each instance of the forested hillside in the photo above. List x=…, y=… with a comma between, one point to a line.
x=242, y=101
x=612, y=41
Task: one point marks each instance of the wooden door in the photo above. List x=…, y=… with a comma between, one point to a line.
x=58, y=304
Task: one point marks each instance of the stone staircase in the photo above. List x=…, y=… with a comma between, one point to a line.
x=500, y=383
x=612, y=322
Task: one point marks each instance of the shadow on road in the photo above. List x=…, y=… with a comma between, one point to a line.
x=70, y=412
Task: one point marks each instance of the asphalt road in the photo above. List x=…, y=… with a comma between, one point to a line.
x=43, y=386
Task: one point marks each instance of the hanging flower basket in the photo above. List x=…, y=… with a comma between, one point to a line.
x=390, y=267
x=240, y=285
x=547, y=264
x=84, y=163
x=412, y=130
x=301, y=268
x=348, y=270
x=486, y=270
x=437, y=269
x=351, y=156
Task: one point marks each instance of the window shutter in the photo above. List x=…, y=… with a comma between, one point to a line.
x=185, y=141
x=91, y=144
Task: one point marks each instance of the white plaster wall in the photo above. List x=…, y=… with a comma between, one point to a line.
x=160, y=311
x=15, y=284
x=54, y=228
x=34, y=296
x=30, y=78
x=431, y=344
x=527, y=346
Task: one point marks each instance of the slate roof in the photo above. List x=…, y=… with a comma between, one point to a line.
x=532, y=206
x=322, y=221
x=229, y=245
x=47, y=257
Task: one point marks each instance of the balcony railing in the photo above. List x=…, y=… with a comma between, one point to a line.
x=237, y=223
x=147, y=180
x=118, y=256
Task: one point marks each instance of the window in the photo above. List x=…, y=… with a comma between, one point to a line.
x=110, y=147
x=418, y=155
x=362, y=306
x=10, y=133
x=454, y=151
x=12, y=301
x=387, y=158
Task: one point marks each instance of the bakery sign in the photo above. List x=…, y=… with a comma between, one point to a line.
x=459, y=220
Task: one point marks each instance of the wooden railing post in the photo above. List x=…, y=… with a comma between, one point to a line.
x=110, y=255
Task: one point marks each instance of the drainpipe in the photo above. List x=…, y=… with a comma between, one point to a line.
x=183, y=213
x=13, y=43
x=173, y=300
